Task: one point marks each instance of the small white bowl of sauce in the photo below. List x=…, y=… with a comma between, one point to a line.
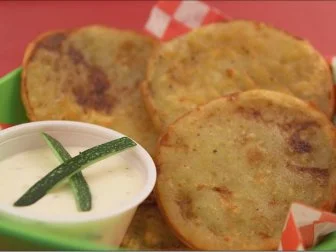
x=118, y=183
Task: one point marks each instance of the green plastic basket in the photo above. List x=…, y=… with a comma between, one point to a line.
x=14, y=236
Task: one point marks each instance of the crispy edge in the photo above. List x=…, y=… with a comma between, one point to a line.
x=149, y=101
x=167, y=225
x=327, y=205
x=159, y=202
x=149, y=106
x=146, y=94
x=30, y=49
x=332, y=100
x=327, y=66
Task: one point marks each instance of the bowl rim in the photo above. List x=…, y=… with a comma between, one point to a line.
x=31, y=127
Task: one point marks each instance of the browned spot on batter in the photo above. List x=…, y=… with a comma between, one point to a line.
x=213, y=228
x=264, y=235
x=186, y=208
x=255, y=113
x=183, y=99
x=181, y=144
x=164, y=139
x=259, y=178
x=52, y=42
x=126, y=55
x=245, y=50
x=312, y=104
x=229, y=72
x=209, y=115
x=128, y=89
x=76, y=56
x=227, y=239
x=249, y=113
x=273, y=202
x=295, y=141
x=200, y=187
x=321, y=175
x=233, y=208
x=299, y=145
x=334, y=189
x=254, y=156
x=242, y=139
x=223, y=191
x=297, y=125
x=127, y=45
x=99, y=81
x=94, y=95
x=328, y=205
x=269, y=104
x=213, y=173
x=308, y=124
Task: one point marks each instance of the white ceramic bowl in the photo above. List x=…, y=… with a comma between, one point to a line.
x=109, y=228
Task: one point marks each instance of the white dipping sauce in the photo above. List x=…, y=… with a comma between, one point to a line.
x=112, y=181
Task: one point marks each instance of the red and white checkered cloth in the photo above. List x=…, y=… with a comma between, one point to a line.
x=305, y=226
x=168, y=19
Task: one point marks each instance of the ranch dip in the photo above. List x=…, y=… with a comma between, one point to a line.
x=112, y=181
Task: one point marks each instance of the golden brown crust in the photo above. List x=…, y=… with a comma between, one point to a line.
x=234, y=56
x=150, y=106
x=239, y=162
x=26, y=57
x=90, y=74
x=148, y=231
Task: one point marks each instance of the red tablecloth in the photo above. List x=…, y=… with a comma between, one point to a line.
x=21, y=21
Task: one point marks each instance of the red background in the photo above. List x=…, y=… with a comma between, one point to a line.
x=21, y=21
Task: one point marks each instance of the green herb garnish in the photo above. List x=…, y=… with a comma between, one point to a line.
x=78, y=183
x=71, y=167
